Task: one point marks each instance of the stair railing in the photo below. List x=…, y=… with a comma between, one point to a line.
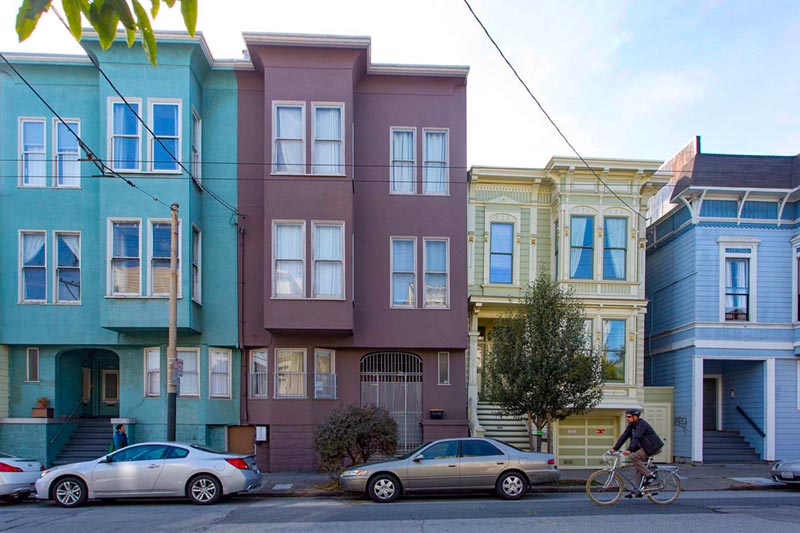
x=750, y=421
x=65, y=422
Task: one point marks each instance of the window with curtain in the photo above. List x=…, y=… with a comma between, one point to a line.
x=258, y=374
x=501, y=252
x=289, y=268
x=325, y=374
x=436, y=273
x=444, y=368
x=34, y=269
x=125, y=136
x=32, y=364
x=737, y=288
x=32, y=153
x=152, y=370
x=197, y=147
x=614, y=350
x=68, y=168
x=615, y=250
x=190, y=380
x=290, y=373
x=328, y=260
x=161, y=235
x=328, y=147
x=435, y=163
x=68, y=267
x=403, y=273
x=196, y=264
x=166, y=126
x=289, y=149
x=125, y=258
x=404, y=162
x=219, y=362
x=581, y=247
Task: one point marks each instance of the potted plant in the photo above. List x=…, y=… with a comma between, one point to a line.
x=437, y=414
x=41, y=410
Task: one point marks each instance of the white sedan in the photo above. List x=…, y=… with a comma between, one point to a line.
x=17, y=477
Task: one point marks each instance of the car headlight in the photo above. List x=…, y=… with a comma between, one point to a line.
x=48, y=472
x=353, y=473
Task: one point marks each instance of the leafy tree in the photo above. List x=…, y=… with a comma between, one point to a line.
x=539, y=365
x=105, y=16
x=354, y=433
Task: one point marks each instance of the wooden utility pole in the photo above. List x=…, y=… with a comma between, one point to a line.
x=172, y=343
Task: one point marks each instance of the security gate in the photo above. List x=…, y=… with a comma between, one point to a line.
x=393, y=380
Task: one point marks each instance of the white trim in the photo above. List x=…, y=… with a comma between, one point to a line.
x=197, y=259
x=795, y=244
x=21, y=266
x=446, y=241
x=111, y=100
x=277, y=373
x=104, y=396
x=718, y=392
x=229, y=355
x=314, y=224
x=56, y=234
x=439, y=381
x=151, y=141
x=196, y=352
x=697, y=409
x=196, y=133
x=739, y=242
x=302, y=163
x=744, y=345
x=502, y=217
x=147, y=392
x=28, y=365
x=250, y=373
x=21, y=153
x=109, y=256
x=446, y=132
x=75, y=124
x=342, y=150
x=275, y=224
x=413, y=131
x=150, y=278
x=769, y=409
x=333, y=373
x=412, y=305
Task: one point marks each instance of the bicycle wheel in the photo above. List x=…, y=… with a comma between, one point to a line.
x=665, y=488
x=605, y=487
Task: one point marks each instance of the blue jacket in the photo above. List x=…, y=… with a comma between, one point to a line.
x=120, y=440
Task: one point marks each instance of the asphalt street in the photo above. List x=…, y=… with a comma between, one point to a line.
x=709, y=512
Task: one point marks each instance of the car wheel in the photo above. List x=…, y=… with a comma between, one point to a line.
x=384, y=488
x=511, y=486
x=70, y=492
x=204, y=490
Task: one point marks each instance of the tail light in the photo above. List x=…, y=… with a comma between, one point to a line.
x=551, y=461
x=42, y=468
x=8, y=468
x=239, y=463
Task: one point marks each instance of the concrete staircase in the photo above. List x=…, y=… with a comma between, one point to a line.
x=727, y=447
x=90, y=440
x=512, y=430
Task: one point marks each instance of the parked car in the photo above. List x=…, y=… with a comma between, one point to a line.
x=17, y=477
x=152, y=469
x=454, y=465
x=786, y=471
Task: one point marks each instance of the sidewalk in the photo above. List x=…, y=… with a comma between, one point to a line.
x=702, y=477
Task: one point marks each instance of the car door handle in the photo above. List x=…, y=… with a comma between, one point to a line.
x=501, y=462
x=452, y=466
x=153, y=466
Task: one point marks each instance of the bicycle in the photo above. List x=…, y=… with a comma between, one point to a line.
x=605, y=487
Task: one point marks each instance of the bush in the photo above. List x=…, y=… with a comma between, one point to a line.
x=354, y=433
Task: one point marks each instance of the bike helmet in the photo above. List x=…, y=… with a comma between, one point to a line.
x=634, y=412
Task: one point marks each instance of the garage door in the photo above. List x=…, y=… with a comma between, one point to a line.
x=583, y=439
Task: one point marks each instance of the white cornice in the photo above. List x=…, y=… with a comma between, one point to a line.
x=565, y=162
x=60, y=59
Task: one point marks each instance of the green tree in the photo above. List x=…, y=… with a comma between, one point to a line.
x=105, y=16
x=540, y=364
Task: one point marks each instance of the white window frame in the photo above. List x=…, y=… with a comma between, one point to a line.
x=626, y=263
x=110, y=132
x=314, y=225
x=332, y=373
x=739, y=242
x=446, y=241
x=196, y=146
x=197, y=265
x=446, y=131
x=252, y=373
x=21, y=150
x=392, y=160
x=795, y=244
x=392, y=305
x=627, y=362
x=327, y=105
x=21, y=265
x=109, y=257
x=278, y=373
x=147, y=392
x=288, y=103
x=150, y=225
x=303, y=246
x=439, y=381
x=151, y=139
x=103, y=373
x=229, y=355
x=28, y=353
x=56, y=267
x=196, y=352
x=75, y=124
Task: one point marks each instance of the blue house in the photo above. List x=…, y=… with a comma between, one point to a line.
x=84, y=256
x=723, y=257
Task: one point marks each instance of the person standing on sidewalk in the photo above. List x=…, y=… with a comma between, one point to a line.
x=120, y=438
x=644, y=443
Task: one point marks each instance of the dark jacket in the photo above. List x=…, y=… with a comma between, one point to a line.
x=642, y=436
x=120, y=440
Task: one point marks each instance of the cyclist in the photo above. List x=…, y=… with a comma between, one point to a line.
x=644, y=443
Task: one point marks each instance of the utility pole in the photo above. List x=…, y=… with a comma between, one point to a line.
x=172, y=350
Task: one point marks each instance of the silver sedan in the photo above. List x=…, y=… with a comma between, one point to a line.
x=152, y=469
x=17, y=477
x=451, y=465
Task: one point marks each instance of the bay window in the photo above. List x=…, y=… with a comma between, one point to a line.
x=435, y=170
x=289, y=259
x=165, y=145
x=289, y=139
x=436, y=273
x=125, y=136
x=328, y=258
x=614, y=350
x=581, y=247
x=501, y=252
x=328, y=131
x=404, y=272
x=615, y=251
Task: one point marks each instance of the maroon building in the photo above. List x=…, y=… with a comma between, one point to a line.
x=353, y=259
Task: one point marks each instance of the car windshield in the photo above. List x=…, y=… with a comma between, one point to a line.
x=207, y=449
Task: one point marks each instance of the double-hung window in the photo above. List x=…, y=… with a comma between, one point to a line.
x=33, y=267
x=328, y=260
x=288, y=278
x=32, y=155
x=290, y=373
x=68, y=168
x=288, y=132
x=164, y=146
x=435, y=162
x=581, y=247
x=32, y=364
x=258, y=374
x=125, y=136
x=152, y=372
x=197, y=257
x=219, y=368
x=325, y=374
x=501, y=252
x=190, y=380
x=68, y=267
x=328, y=132
x=404, y=272
x=737, y=288
x=197, y=147
x=160, y=237
x=404, y=161
x=615, y=251
x=125, y=258
x=436, y=273
x=614, y=350
x=738, y=272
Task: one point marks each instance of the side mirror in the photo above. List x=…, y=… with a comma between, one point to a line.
x=107, y=459
x=418, y=458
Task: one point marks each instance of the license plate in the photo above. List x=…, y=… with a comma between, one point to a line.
x=787, y=475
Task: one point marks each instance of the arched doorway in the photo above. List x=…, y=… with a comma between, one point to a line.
x=88, y=383
x=393, y=380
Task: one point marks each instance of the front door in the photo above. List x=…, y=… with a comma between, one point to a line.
x=436, y=467
x=132, y=471
x=710, y=404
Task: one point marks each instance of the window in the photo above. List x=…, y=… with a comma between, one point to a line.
x=328, y=148
x=196, y=262
x=33, y=267
x=190, y=380
x=328, y=260
x=614, y=350
x=444, y=368
x=176, y=453
x=125, y=136
x=404, y=162
x=436, y=273
x=152, y=372
x=258, y=374
x=289, y=150
x=737, y=288
x=588, y=334
x=325, y=374
x=404, y=272
x=32, y=364
x=556, y=238
x=68, y=168
x=478, y=448
x=197, y=147
x=32, y=156
x=219, y=367
x=110, y=386
x=738, y=272
x=441, y=450
x=68, y=267
x=435, y=162
x=164, y=146
x=125, y=275
x=146, y=452
x=614, y=248
x=288, y=277
x=160, y=239
x=290, y=373
x=501, y=252
x=581, y=247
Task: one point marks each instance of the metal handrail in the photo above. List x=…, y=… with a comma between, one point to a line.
x=65, y=422
x=750, y=421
